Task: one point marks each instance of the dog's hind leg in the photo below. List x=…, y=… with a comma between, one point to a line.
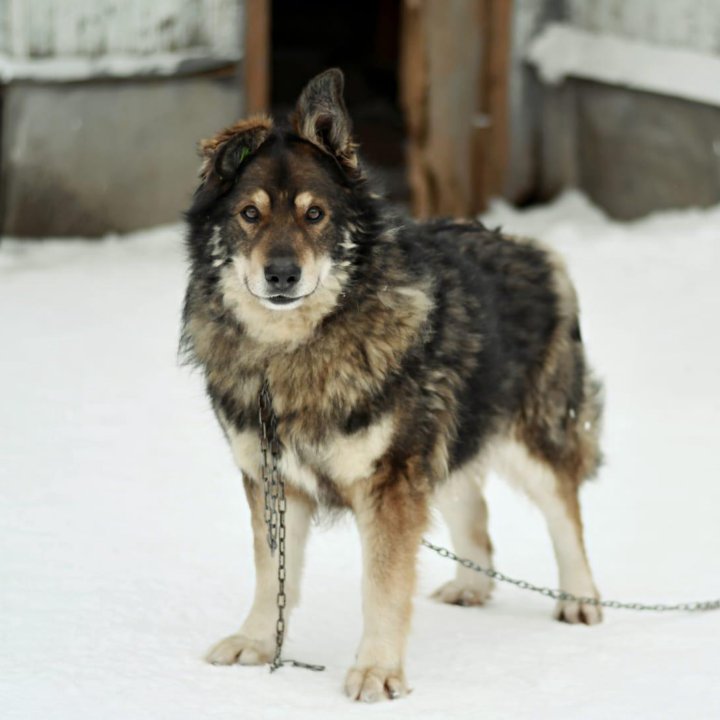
x=556, y=495
x=391, y=512
x=462, y=505
x=254, y=643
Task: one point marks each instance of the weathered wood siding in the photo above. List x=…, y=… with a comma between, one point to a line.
x=691, y=24
x=4, y=26
x=90, y=28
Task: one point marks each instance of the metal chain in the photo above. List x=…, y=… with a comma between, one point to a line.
x=697, y=606
x=275, y=508
x=268, y=468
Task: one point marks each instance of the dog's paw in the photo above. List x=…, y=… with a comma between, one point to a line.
x=578, y=613
x=372, y=684
x=243, y=650
x=458, y=592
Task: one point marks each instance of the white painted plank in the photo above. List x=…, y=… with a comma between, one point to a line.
x=691, y=24
x=4, y=26
x=90, y=28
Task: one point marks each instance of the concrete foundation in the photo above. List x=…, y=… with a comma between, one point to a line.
x=99, y=156
x=638, y=152
x=632, y=152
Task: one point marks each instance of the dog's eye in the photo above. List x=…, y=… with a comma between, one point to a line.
x=314, y=214
x=250, y=213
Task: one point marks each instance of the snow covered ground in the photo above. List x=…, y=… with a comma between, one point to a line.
x=125, y=543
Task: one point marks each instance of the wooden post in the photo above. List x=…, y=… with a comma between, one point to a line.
x=454, y=80
x=414, y=98
x=257, y=56
x=498, y=30
x=491, y=121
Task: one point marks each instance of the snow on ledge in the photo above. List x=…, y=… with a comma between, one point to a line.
x=561, y=51
x=70, y=69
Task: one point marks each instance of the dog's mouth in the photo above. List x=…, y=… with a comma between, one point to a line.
x=283, y=299
x=284, y=302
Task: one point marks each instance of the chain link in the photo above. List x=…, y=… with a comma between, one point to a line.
x=556, y=594
x=275, y=509
x=269, y=469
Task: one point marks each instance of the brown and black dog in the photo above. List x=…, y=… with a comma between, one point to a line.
x=404, y=361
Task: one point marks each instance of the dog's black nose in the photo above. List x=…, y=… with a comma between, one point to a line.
x=282, y=273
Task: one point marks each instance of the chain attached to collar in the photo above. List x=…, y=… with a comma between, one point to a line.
x=275, y=509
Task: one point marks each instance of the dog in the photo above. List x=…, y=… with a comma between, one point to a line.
x=404, y=360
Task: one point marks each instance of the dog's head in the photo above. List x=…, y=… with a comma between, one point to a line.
x=276, y=218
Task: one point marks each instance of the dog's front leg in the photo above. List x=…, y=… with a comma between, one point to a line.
x=254, y=643
x=391, y=517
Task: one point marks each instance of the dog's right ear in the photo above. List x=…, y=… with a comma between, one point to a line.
x=224, y=154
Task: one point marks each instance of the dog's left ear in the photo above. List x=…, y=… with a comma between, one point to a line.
x=322, y=118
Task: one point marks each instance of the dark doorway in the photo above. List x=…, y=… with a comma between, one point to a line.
x=363, y=39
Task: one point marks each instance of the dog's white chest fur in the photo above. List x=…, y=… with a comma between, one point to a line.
x=343, y=459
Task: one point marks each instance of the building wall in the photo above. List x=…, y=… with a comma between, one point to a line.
x=88, y=28
x=103, y=103
x=5, y=26
x=525, y=96
x=693, y=24
x=640, y=152
x=627, y=103
x=84, y=159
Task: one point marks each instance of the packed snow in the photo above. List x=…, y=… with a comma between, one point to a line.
x=126, y=548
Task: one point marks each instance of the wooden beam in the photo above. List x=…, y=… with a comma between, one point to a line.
x=414, y=99
x=491, y=122
x=497, y=37
x=440, y=65
x=454, y=89
x=257, y=56
x=481, y=145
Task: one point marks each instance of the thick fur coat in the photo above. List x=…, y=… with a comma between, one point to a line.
x=403, y=359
